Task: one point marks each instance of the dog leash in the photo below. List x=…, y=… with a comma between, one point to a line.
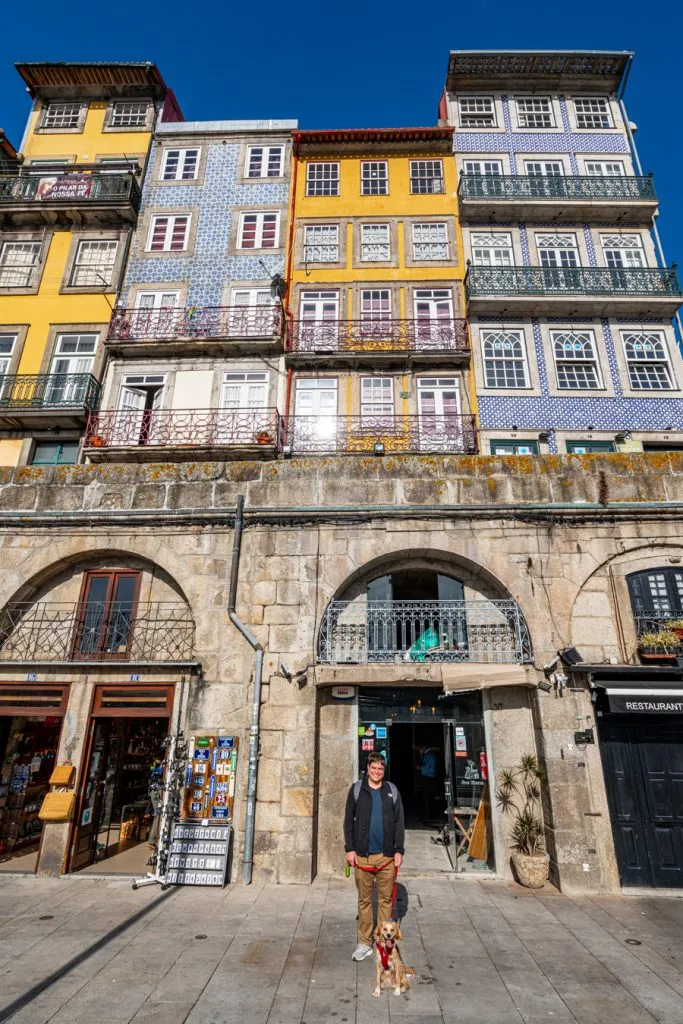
x=380, y=867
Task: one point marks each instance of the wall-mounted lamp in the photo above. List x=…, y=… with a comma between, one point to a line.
x=378, y=448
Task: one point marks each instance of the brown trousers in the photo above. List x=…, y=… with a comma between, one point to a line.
x=365, y=883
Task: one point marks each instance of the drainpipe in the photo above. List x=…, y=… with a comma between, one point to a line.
x=248, y=860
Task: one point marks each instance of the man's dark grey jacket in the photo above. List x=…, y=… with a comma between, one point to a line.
x=357, y=821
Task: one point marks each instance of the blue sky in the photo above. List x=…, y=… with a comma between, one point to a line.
x=358, y=64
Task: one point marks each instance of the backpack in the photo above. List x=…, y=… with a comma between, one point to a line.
x=357, y=785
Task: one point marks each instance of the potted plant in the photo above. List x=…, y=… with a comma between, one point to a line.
x=659, y=645
x=97, y=441
x=676, y=626
x=264, y=437
x=519, y=794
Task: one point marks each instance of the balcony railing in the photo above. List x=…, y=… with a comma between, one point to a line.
x=507, y=187
x=68, y=187
x=186, y=428
x=35, y=391
x=492, y=632
x=390, y=434
x=562, y=281
x=656, y=622
x=377, y=336
x=228, y=322
x=160, y=631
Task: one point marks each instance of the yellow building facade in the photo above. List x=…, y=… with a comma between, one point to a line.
x=67, y=209
x=377, y=344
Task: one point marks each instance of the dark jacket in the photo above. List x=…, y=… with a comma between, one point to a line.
x=357, y=821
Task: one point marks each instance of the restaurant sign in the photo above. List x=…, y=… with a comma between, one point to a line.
x=653, y=702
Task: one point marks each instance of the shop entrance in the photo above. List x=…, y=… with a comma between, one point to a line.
x=435, y=751
x=119, y=800
x=30, y=727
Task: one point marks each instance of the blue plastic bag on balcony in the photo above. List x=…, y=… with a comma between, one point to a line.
x=427, y=642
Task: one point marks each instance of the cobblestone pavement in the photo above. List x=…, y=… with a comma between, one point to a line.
x=486, y=952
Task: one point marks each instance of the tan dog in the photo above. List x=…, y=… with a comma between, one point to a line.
x=391, y=972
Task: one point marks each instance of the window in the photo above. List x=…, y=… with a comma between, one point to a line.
x=647, y=359
x=504, y=359
x=557, y=250
x=70, y=369
x=492, y=250
x=321, y=243
x=94, y=264
x=265, y=161
x=375, y=308
x=168, y=234
x=592, y=112
x=544, y=168
x=576, y=360
x=244, y=391
x=180, y=165
x=426, y=177
x=375, y=243
x=252, y=313
x=433, y=311
x=244, y=397
x=259, y=231
x=623, y=251
x=535, y=112
x=52, y=453
x=7, y=342
x=430, y=242
x=482, y=167
x=514, y=447
x=604, y=168
x=107, y=614
x=656, y=594
x=374, y=178
x=62, y=115
x=377, y=400
x=589, y=447
x=17, y=263
x=322, y=179
x=129, y=114
x=477, y=112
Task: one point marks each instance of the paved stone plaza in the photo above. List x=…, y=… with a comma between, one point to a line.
x=77, y=951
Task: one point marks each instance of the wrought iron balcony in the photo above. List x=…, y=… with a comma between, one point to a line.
x=597, y=289
x=378, y=338
x=390, y=434
x=138, y=329
x=144, y=436
x=27, y=397
x=624, y=199
x=361, y=631
x=158, y=631
x=78, y=194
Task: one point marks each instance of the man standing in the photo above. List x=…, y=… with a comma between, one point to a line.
x=373, y=840
x=426, y=768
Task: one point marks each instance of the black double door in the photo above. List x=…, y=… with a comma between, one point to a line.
x=643, y=761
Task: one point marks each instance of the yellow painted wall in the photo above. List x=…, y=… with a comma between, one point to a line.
x=86, y=146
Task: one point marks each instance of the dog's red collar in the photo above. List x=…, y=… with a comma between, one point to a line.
x=385, y=953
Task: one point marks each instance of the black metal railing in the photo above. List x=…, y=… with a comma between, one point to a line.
x=377, y=336
x=66, y=187
x=626, y=281
x=390, y=434
x=195, y=322
x=657, y=622
x=541, y=186
x=22, y=391
x=96, y=631
x=183, y=428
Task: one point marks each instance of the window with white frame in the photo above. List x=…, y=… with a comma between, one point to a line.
x=129, y=114
x=483, y=168
x=557, y=250
x=377, y=399
x=7, y=342
x=375, y=305
x=252, y=313
x=321, y=243
x=322, y=179
x=426, y=177
x=94, y=264
x=17, y=263
x=180, y=164
x=430, y=242
x=62, y=115
x=259, y=231
x=374, y=178
x=505, y=363
x=265, y=161
x=492, y=250
x=623, y=251
x=604, y=168
x=576, y=360
x=535, y=112
x=244, y=391
x=71, y=365
x=477, y=112
x=544, y=168
x=592, y=112
x=375, y=243
x=168, y=233
x=647, y=358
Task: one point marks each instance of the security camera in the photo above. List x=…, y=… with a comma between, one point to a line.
x=545, y=686
x=285, y=670
x=551, y=665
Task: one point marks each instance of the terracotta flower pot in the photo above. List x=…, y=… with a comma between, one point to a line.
x=531, y=869
x=264, y=438
x=97, y=441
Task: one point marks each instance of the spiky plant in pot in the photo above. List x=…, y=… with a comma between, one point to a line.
x=519, y=794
